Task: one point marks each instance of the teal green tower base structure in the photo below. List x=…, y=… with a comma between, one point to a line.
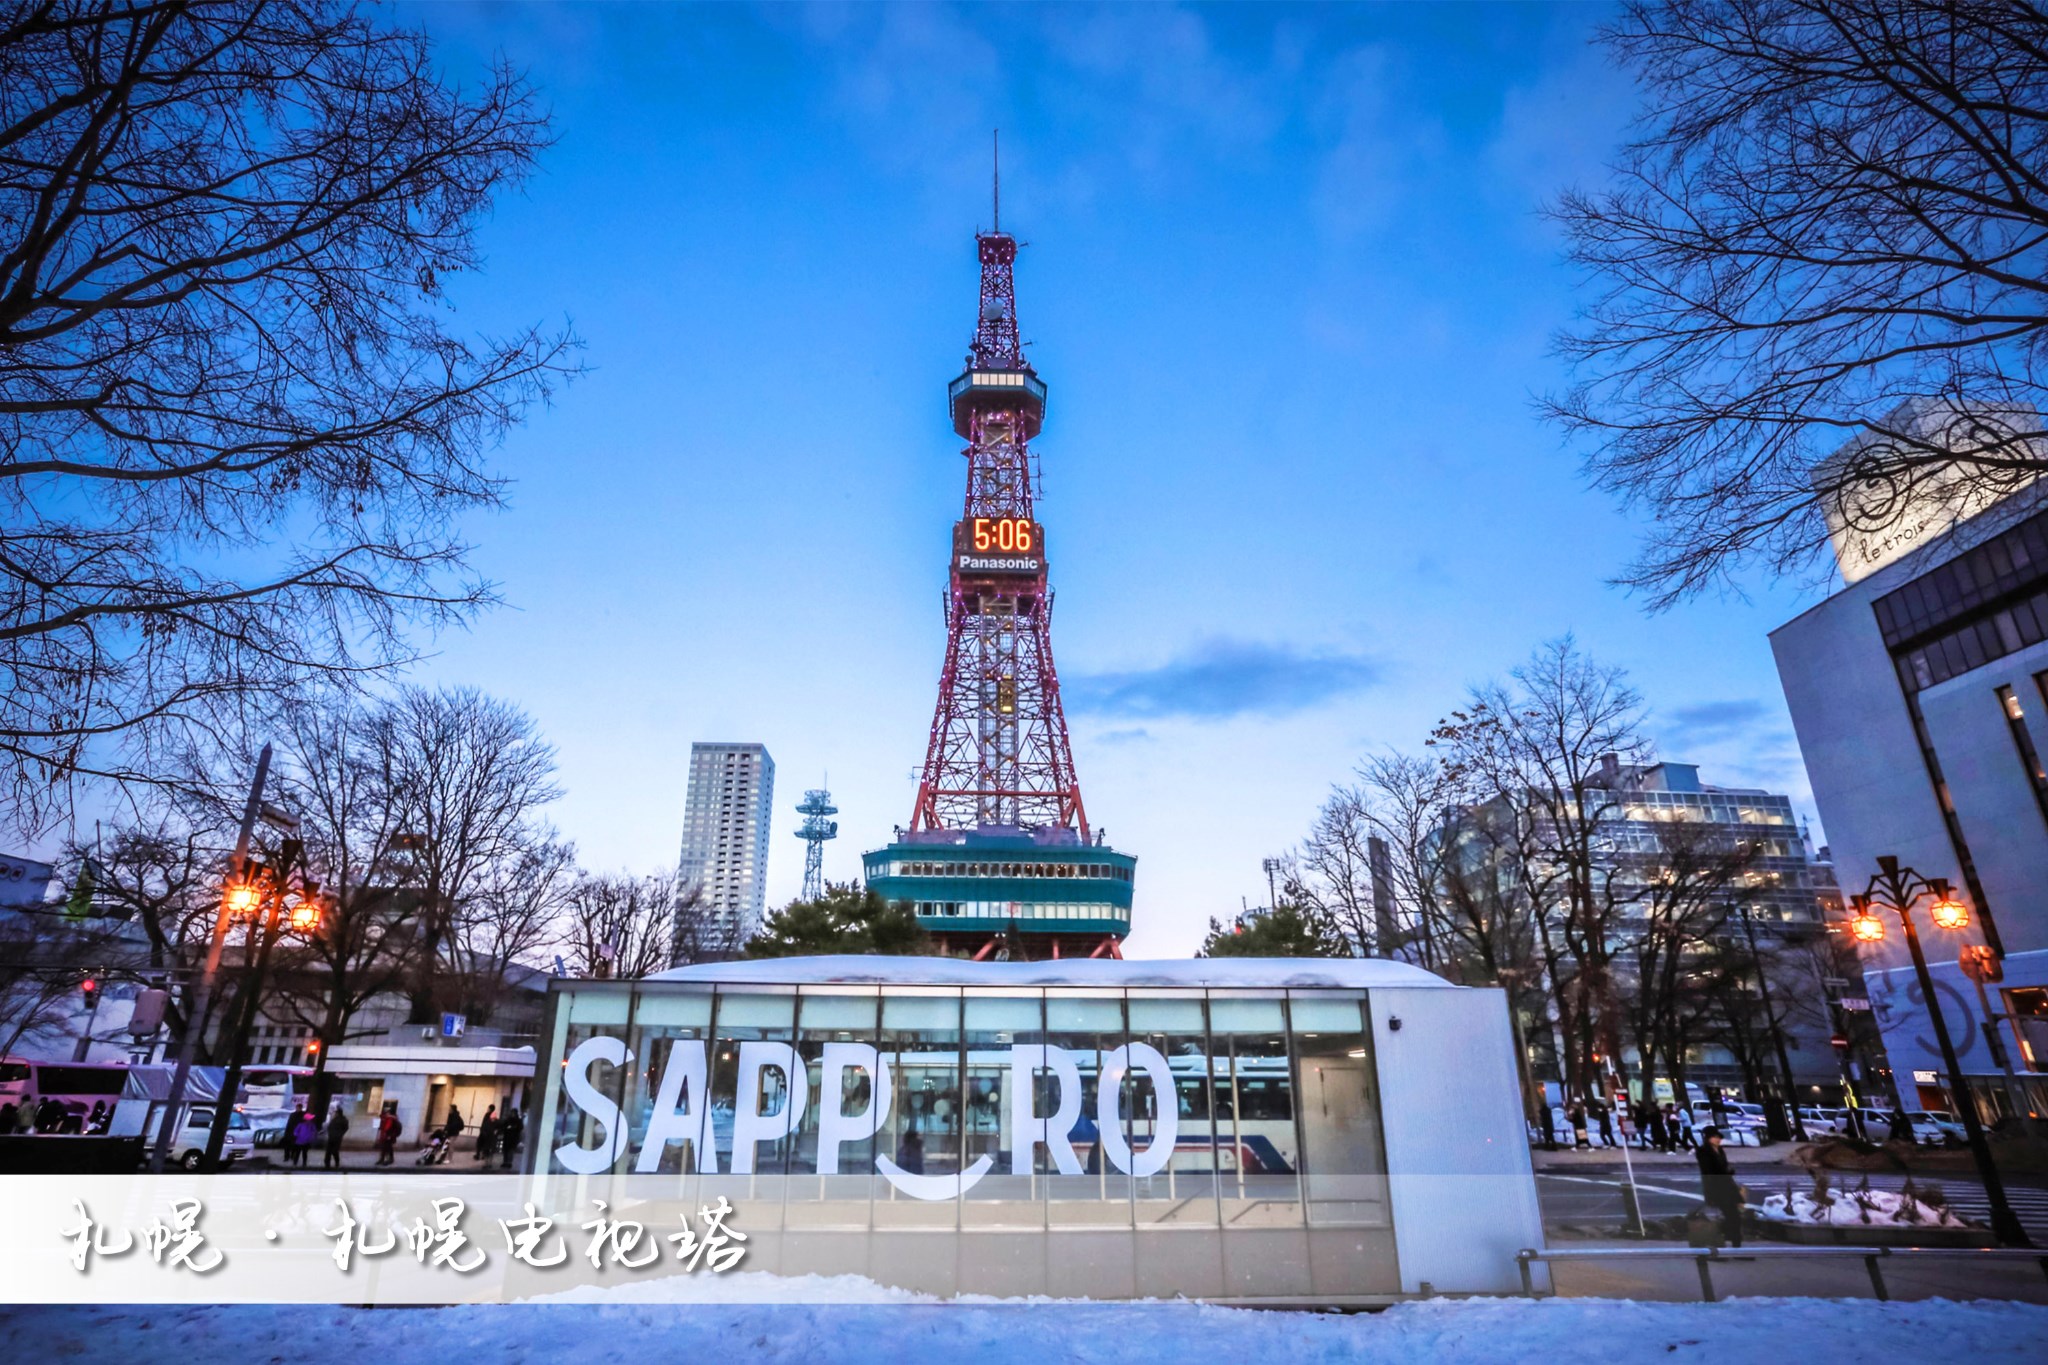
x=995, y=893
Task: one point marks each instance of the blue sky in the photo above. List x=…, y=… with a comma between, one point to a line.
x=1285, y=276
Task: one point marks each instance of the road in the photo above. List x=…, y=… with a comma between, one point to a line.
x=1591, y=1195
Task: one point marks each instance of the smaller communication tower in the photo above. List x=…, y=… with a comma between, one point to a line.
x=814, y=831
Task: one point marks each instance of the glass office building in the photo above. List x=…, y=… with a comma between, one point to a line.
x=1342, y=1131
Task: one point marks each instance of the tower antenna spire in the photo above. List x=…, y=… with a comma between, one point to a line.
x=996, y=140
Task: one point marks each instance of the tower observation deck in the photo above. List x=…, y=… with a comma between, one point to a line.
x=998, y=859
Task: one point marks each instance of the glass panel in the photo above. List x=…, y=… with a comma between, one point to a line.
x=995, y=1027
x=920, y=1045
x=1344, y=1163
x=1087, y=1026
x=752, y=1100
x=592, y=1014
x=1185, y=1190
x=1254, y=1093
x=832, y=1156
x=671, y=1029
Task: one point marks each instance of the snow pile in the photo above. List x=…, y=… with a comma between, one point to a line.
x=1860, y=1208
x=1442, y=1332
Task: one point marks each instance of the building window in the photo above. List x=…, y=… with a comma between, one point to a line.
x=2023, y=740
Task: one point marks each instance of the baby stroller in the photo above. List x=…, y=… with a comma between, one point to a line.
x=437, y=1151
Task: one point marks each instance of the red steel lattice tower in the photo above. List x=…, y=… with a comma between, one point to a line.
x=999, y=753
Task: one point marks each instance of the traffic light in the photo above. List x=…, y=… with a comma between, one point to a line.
x=92, y=992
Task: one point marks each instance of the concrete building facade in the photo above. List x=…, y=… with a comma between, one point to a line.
x=728, y=816
x=1919, y=693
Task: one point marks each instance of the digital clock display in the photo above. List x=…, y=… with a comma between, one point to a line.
x=1001, y=545
x=1007, y=535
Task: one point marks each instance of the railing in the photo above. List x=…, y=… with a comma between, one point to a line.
x=1704, y=1257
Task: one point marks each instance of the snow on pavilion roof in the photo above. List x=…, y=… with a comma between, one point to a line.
x=1246, y=972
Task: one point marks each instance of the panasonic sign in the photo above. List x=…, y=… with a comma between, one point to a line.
x=682, y=1113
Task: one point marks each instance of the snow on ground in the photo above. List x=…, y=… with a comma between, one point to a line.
x=620, y=1332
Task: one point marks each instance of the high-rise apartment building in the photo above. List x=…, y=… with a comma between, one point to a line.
x=726, y=824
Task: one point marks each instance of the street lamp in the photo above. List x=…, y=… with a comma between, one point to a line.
x=1899, y=889
x=272, y=886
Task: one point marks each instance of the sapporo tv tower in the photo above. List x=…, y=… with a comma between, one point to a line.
x=998, y=860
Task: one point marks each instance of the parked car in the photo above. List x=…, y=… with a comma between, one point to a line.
x=188, y=1149
x=1936, y=1130
x=1929, y=1130
x=1821, y=1122
x=1738, y=1127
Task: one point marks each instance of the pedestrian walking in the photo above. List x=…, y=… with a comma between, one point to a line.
x=487, y=1135
x=337, y=1129
x=305, y=1133
x=1718, y=1187
x=289, y=1142
x=450, y=1131
x=510, y=1134
x=1656, y=1132
x=1576, y=1117
x=1549, y=1126
x=1605, y=1112
x=387, y=1136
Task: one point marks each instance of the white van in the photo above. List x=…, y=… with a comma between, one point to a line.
x=188, y=1148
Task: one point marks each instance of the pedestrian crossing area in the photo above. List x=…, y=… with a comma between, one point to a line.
x=1967, y=1198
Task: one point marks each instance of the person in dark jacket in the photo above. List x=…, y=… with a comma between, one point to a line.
x=487, y=1135
x=511, y=1133
x=337, y=1129
x=1575, y=1115
x=1718, y=1187
x=1604, y=1113
x=910, y=1152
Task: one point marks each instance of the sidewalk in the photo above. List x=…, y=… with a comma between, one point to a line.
x=1676, y=1279
x=1564, y=1158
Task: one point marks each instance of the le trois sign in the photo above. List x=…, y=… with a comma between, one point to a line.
x=683, y=1114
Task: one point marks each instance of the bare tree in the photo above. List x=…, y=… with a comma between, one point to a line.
x=469, y=775
x=235, y=431
x=512, y=915
x=619, y=925
x=1830, y=226
x=331, y=777
x=702, y=932
x=161, y=869
x=1671, y=974
x=45, y=959
x=1544, y=753
x=1386, y=899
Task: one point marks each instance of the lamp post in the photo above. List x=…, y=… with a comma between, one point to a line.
x=1899, y=889
x=262, y=888
x=202, y=996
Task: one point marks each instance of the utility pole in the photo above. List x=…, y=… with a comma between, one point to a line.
x=202, y=998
